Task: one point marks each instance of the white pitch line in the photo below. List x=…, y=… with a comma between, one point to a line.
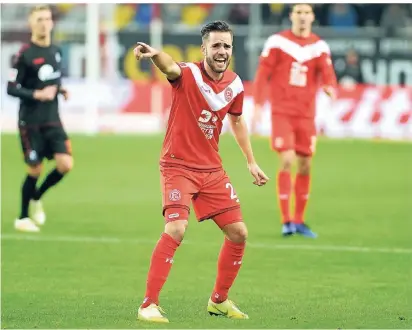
x=114, y=240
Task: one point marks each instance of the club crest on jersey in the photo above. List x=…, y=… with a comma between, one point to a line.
x=228, y=94
x=175, y=195
x=278, y=142
x=33, y=155
x=46, y=72
x=58, y=57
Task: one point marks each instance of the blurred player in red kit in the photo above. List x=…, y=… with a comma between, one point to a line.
x=191, y=167
x=296, y=62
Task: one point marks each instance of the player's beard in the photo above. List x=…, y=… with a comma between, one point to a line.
x=215, y=66
x=41, y=34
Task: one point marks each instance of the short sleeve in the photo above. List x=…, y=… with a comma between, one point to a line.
x=179, y=80
x=237, y=106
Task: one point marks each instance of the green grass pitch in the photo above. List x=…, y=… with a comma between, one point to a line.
x=87, y=268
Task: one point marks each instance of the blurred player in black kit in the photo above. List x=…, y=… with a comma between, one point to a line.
x=35, y=79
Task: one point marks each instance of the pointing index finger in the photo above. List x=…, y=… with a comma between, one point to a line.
x=142, y=44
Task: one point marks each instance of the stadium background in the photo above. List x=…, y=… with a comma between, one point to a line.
x=371, y=44
x=87, y=267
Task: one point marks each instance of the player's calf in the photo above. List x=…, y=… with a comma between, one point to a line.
x=64, y=163
x=302, y=186
x=161, y=264
x=284, y=183
x=28, y=190
x=229, y=262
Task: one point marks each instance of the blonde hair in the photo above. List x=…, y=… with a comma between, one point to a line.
x=39, y=8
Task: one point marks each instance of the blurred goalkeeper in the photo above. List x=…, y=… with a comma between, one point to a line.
x=35, y=79
x=204, y=93
x=292, y=64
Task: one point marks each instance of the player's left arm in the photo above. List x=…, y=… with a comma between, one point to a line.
x=241, y=134
x=327, y=72
x=61, y=89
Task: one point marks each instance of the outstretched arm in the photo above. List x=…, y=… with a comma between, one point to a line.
x=162, y=60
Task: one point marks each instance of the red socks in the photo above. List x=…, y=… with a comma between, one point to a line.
x=160, y=265
x=302, y=183
x=230, y=260
x=284, y=184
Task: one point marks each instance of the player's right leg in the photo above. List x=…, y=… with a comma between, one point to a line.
x=160, y=266
x=177, y=190
x=283, y=141
x=32, y=146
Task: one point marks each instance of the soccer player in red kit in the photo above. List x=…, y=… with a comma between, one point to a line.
x=296, y=62
x=191, y=168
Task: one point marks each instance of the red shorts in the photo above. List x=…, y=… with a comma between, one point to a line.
x=293, y=133
x=211, y=193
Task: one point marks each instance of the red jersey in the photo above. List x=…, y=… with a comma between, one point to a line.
x=199, y=105
x=295, y=66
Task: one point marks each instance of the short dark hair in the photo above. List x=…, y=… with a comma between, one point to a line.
x=216, y=26
x=311, y=5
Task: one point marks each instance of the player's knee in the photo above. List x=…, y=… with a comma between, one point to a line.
x=304, y=170
x=287, y=159
x=176, y=229
x=236, y=232
x=65, y=164
x=35, y=170
x=304, y=165
x=286, y=165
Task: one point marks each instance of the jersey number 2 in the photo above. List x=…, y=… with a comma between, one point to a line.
x=298, y=75
x=232, y=191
